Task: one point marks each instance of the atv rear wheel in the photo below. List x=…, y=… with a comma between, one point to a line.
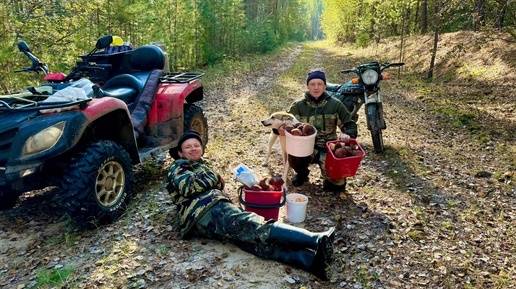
x=96, y=186
x=8, y=199
x=194, y=119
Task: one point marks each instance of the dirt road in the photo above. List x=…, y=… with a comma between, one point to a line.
x=436, y=210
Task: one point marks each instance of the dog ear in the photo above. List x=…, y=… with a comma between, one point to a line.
x=287, y=117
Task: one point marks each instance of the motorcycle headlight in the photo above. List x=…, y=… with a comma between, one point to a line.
x=44, y=139
x=370, y=77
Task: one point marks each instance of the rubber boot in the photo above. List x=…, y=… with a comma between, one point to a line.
x=331, y=187
x=300, y=166
x=299, y=237
x=299, y=180
x=317, y=262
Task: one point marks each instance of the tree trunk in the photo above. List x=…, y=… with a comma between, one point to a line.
x=416, y=17
x=402, y=44
x=437, y=20
x=500, y=14
x=424, y=16
x=478, y=15
x=251, y=9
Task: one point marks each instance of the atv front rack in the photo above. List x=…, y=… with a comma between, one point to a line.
x=38, y=105
x=180, y=77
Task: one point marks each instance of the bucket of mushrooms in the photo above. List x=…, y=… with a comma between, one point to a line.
x=343, y=158
x=300, y=139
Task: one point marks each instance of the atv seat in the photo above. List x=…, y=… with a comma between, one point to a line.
x=125, y=87
x=130, y=86
x=144, y=59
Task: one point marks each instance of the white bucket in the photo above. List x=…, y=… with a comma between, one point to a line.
x=296, y=207
x=300, y=145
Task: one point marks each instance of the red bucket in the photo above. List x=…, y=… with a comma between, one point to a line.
x=263, y=203
x=338, y=168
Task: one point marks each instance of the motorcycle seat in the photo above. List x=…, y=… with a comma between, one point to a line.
x=332, y=86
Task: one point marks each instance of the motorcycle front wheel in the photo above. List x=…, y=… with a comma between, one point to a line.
x=373, y=124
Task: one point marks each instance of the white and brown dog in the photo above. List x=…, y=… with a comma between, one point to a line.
x=275, y=121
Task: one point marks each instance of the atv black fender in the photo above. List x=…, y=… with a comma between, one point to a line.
x=102, y=119
x=110, y=120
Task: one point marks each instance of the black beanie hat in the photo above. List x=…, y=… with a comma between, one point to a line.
x=316, y=74
x=187, y=135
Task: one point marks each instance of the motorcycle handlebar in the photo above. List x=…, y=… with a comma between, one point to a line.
x=396, y=64
x=345, y=71
x=383, y=66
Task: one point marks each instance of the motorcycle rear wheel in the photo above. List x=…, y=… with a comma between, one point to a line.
x=373, y=124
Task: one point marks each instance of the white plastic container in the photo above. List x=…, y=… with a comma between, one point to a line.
x=245, y=175
x=296, y=207
x=300, y=145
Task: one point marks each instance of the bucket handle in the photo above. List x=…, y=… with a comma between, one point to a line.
x=241, y=199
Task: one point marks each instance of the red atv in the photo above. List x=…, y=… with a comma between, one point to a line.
x=84, y=131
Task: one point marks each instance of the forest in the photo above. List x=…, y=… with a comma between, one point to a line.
x=199, y=33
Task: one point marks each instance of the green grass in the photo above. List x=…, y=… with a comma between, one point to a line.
x=364, y=274
x=55, y=277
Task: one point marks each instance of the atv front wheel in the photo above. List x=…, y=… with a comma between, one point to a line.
x=8, y=199
x=97, y=184
x=194, y=119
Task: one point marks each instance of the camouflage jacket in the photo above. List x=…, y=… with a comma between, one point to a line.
x=325, y=114
x=194, y=187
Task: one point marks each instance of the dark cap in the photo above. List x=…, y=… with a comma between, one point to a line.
x=316, y=74
x=186, y=136
x=189, y=135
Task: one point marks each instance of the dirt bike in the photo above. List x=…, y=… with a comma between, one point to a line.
x=365, y=89
x=83, y=132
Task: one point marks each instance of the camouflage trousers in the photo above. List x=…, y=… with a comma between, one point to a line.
x=246, y=230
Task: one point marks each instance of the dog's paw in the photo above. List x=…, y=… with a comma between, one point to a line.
x=265, y=163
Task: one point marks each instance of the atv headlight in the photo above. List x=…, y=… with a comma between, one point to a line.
x=370, y=76
x=44, y=139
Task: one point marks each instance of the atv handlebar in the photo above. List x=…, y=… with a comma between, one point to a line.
x=37, y=65
x=82, y=70
x=40, y=67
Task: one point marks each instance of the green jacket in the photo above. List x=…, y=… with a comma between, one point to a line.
x=325, y=114
x=194, y=187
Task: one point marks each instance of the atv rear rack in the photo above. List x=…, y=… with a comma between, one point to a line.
x=180, y=77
